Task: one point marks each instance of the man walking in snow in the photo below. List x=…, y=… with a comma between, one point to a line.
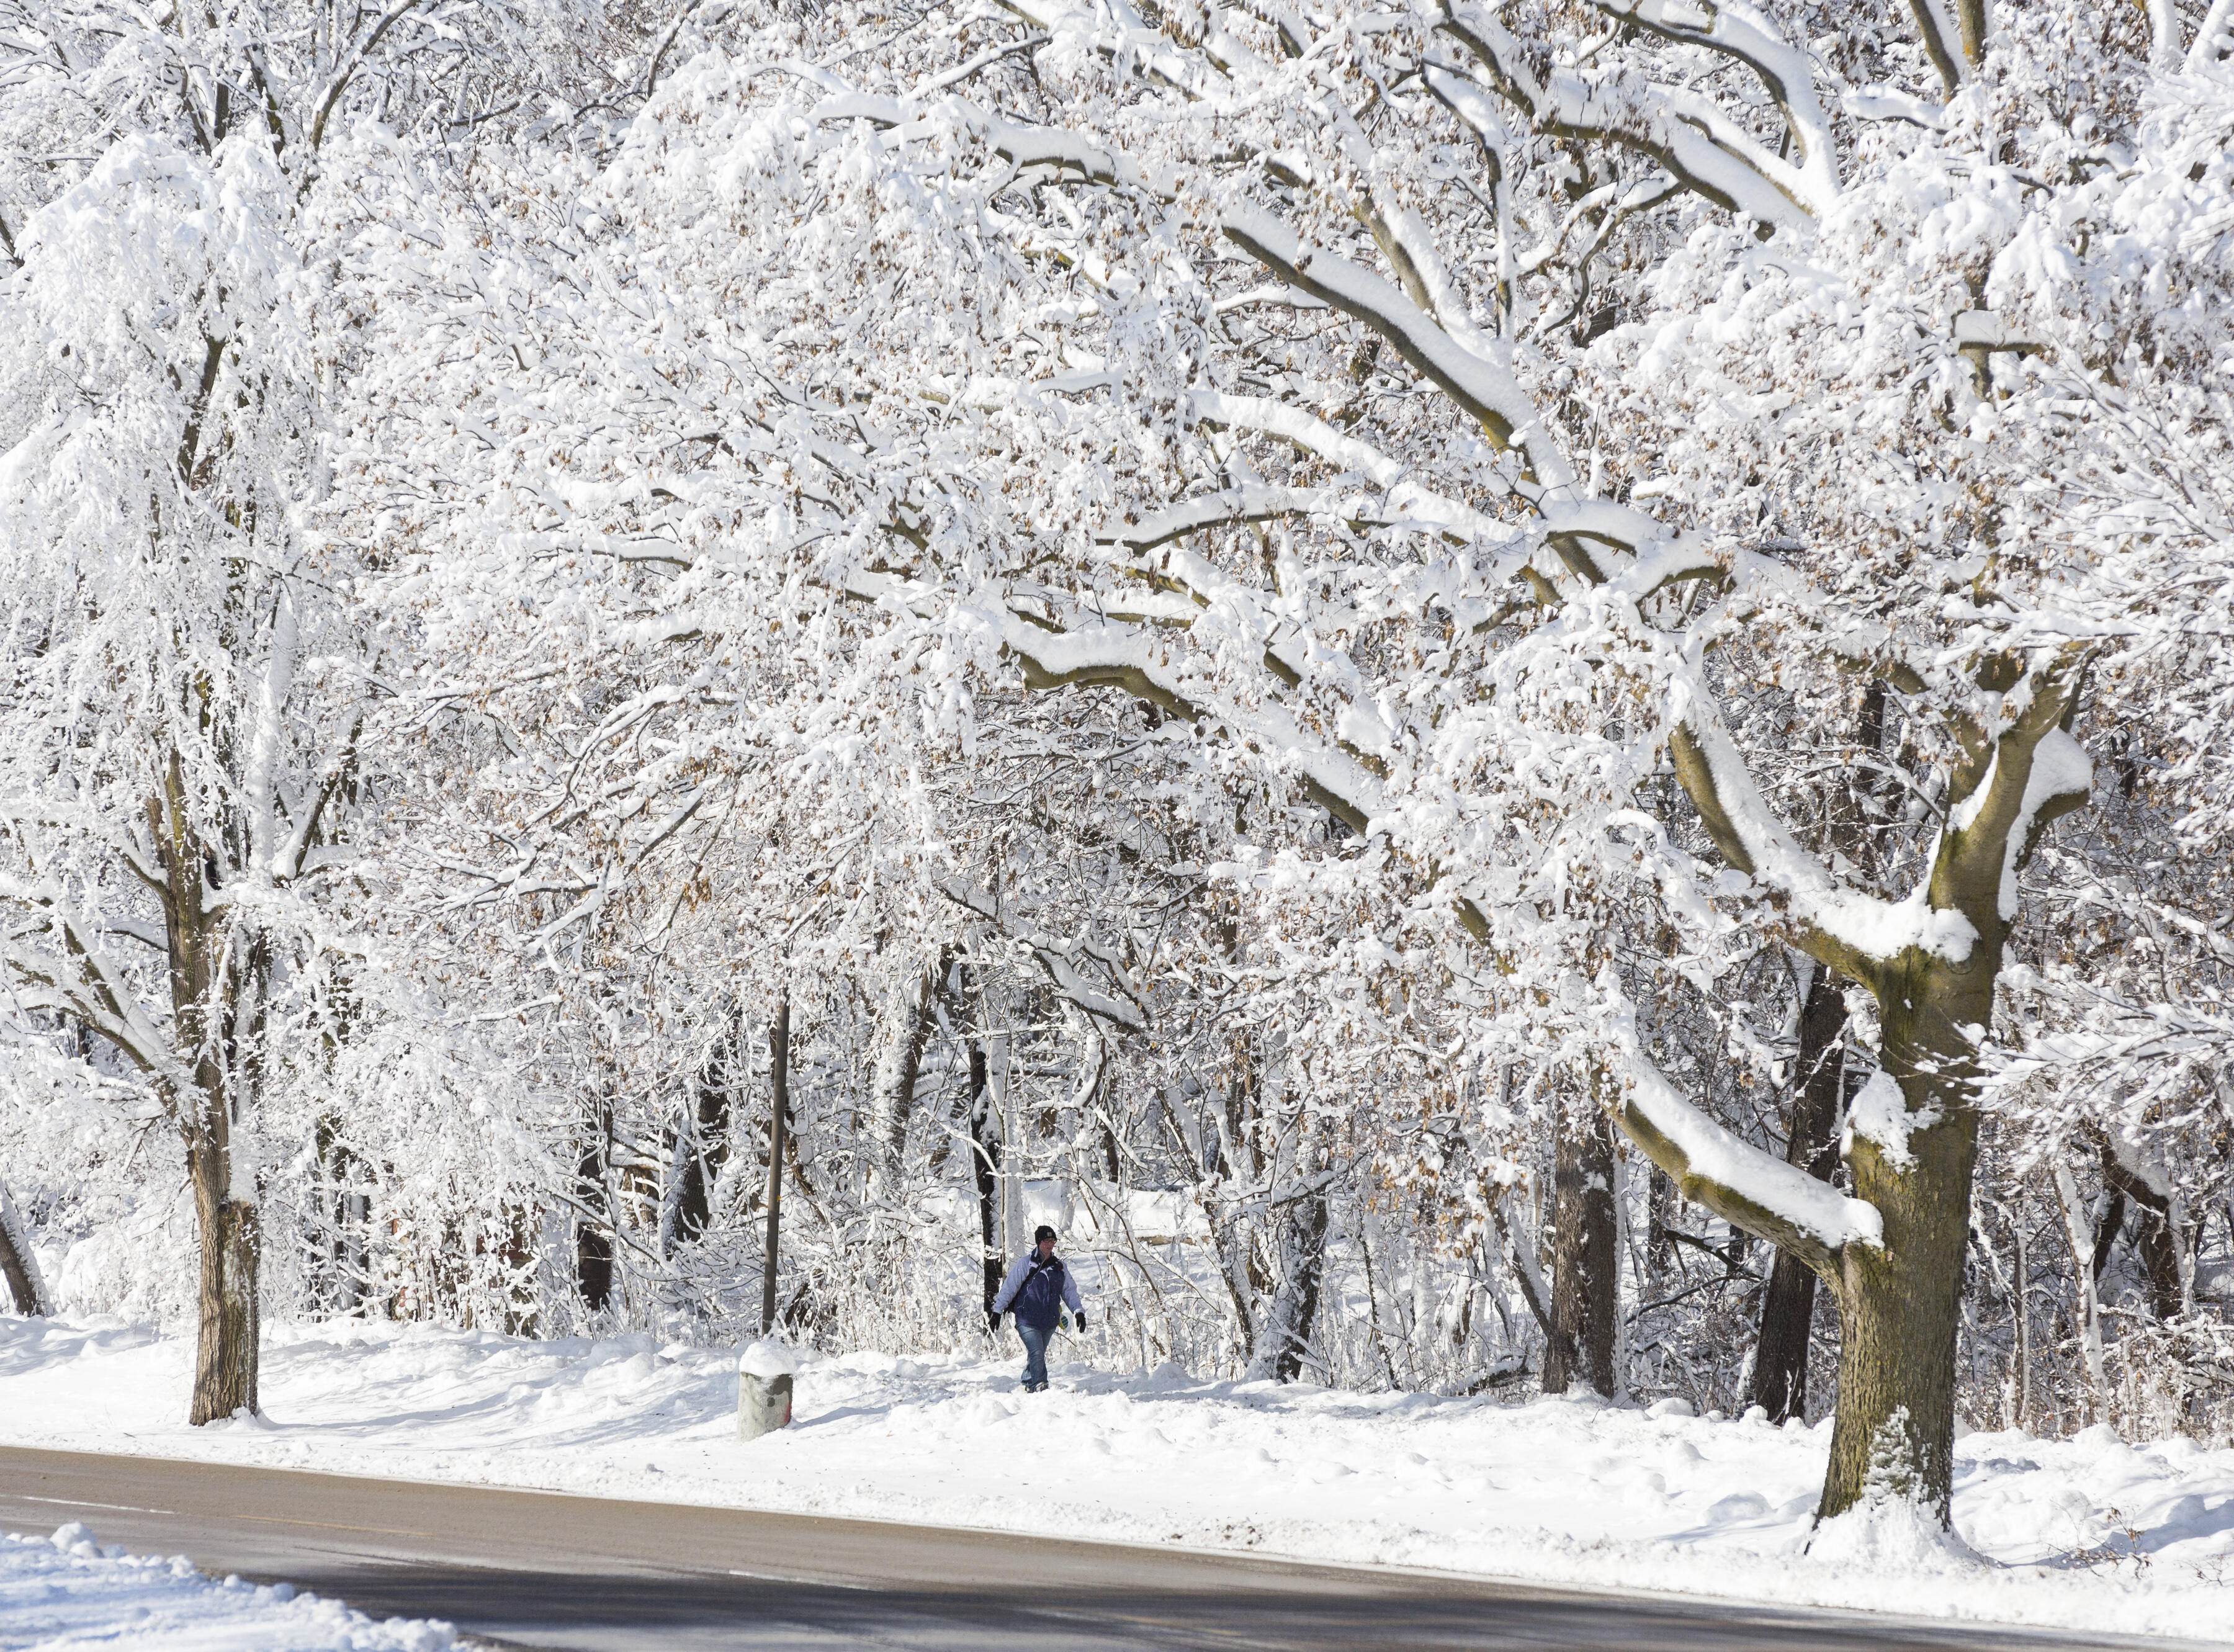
x=1038, y=1287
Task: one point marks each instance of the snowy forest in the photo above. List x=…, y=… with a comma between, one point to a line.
x=1509, y=698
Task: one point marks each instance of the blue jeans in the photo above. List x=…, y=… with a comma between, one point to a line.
x=1036, y=1342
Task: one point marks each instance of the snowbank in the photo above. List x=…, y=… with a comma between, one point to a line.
x=2088, y=1533
x=68, y=1590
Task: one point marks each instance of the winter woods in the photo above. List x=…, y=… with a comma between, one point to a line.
x=1492, y=687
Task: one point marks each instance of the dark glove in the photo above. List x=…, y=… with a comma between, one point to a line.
x=1081, y=1319
x=993, y=1320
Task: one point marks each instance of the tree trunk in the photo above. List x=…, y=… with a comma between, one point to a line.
x=2156, y=1243
x=215, y=1001
x=1585, y=1279
x=593, y=1245
x=2078, y=1231
x=1900, y=1305
x=2023, y=1317
x=779, y=1126
x=708, y=1143
x=985, y=1166
x=1296, y=1303
x=898, y=1067
x=1788, y=1308
x=1899, y=1293
x=338, y=1261
x=226, y=1357
x=26, y=1289
x=1284, y=1337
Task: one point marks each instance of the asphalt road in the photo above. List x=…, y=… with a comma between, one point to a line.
x=597, y=1575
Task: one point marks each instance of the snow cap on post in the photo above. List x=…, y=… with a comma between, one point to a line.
x=768, y=1357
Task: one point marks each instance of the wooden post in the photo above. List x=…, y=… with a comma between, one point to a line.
x=779, y=1110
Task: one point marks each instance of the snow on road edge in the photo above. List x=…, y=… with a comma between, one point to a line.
x=66, y=1590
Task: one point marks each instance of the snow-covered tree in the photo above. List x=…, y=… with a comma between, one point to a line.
x=187, y=679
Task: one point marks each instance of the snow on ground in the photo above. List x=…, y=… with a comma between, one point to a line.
x=2088, y=1533
x=67, y=1591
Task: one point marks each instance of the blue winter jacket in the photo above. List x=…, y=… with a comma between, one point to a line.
x=1037, y=1292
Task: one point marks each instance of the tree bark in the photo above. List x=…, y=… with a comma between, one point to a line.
x=210, y=981
x=1295, y=1304
x=1900, y=1304
x=898, y=1068
x=26, y=1289
x=225, y=1364
x=708, y=1146
x=1585, y=1280
x=779, y=1126
x=985, y=1167
x=2156, y=1243
x=1899, y=1295
x=593, y=1247
x=1284, y=1337
x=1788, y=1308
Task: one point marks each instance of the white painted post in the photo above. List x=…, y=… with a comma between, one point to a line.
x=763, y=1404
x=764, y=1374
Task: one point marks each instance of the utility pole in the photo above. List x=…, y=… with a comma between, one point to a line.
x=779, y=1114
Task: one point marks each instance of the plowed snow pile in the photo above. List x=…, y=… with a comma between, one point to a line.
x=66, y=1590
x=2087, y=1533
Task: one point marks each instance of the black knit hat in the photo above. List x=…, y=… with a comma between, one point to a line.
x=1043, y=1231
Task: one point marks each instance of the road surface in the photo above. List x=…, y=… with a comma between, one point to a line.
x=597, y=1575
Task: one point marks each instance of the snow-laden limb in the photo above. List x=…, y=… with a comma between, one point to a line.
x=1056, y=956
x=1103, y=656
x=1709, y=154
x=1750, y=1188
x=1944, y=40
x=1743, y=31
x=1403, y=496
x=1860, y=643
x=1852, y=932
x=1886, y=103
x=2213, y=36
x=82, y=980
x=2062, y=778
x=1251, y=502
x=1486, y=390
x=2035, y=773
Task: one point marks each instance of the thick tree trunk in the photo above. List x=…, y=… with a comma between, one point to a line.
x=779, y=1129
x=226, y=1357
x=1585, y=1277
x=1899, y=1294
x=26, y=1289
x=1900, y=1304
x=1788, y=1308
